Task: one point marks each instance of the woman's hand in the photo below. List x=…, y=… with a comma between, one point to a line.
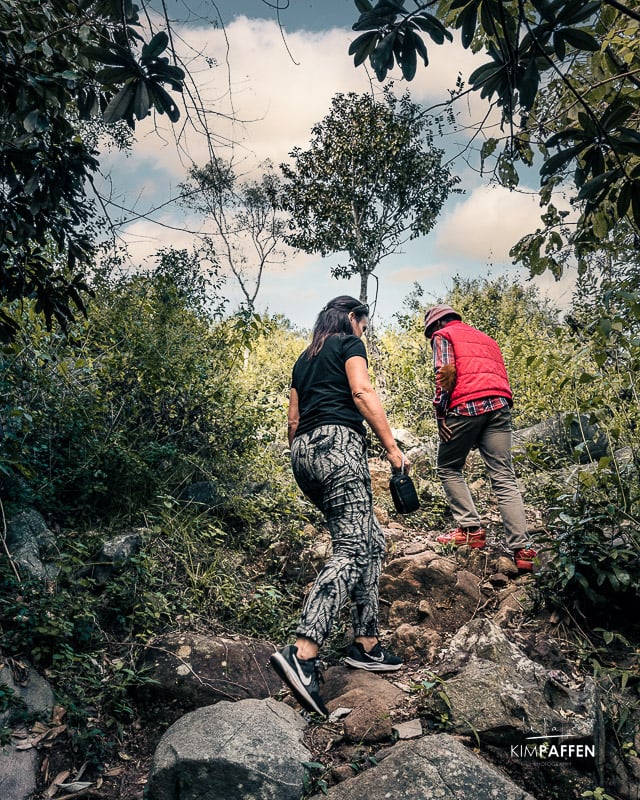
x=397, y=459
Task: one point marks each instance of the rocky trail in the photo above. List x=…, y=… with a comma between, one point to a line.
x=492, y=701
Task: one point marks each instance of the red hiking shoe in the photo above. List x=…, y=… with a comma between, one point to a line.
x=524, y=558
x=459, y=537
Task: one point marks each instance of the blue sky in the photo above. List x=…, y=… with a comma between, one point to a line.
x=277, y=84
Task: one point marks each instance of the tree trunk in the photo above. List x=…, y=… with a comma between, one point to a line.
x=375, y=357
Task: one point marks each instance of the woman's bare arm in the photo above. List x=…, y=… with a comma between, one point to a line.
x=293, y=415
x=368, y=404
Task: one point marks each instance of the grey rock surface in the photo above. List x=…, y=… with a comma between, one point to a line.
x=437, y=767
x=249, y=750
x=32, y=545
x=497, y=692
x=19, y=768
x=18, y=771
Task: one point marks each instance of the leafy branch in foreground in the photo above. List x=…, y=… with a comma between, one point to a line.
x=565, y=77
x=64, y=64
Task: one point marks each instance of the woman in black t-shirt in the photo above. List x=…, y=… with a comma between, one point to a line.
x=331, y=396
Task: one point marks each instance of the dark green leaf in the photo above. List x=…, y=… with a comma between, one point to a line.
x=390, y=6
x=557, y=161
x=156, y=46
x=421, y=48
x=431, y=25
x=118, y=107
x=573, y=13
x=114, y=75
x=408, y=59
x=365, y=49
x=35, y=122
x=624, y=199
x=559, y=45
x=528, y=85
x=142, y=101
x=580, y=39
x=566, y=135
x=616, y=114
x=488, y=148
x=635, y=201
x=363, y=6
x=467, y=20
x=592, y=187
x=382, y=57
x=104, y=56
x=357, y=43
x=164, y=102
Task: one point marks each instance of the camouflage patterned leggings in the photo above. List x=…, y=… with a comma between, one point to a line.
x=330, y=466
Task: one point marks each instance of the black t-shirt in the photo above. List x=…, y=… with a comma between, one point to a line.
x=324, y=396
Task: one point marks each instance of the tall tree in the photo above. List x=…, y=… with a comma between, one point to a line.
x=246, y=220
x=64, y=62
x=565, y=75
x=370, y=180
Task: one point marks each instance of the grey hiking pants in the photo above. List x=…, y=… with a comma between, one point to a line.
x=491, y=434
x=330, y=466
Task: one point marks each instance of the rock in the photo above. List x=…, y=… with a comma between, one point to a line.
x=403, y=611
x=341, y=681
x=18, y=772
x=416, y=643
x=623, y=773
x=114, y=554
x=249, y=750
x=411, y=729
x=382, y=515
x=32, y=545
x=564, y=433
x=507, y=566
x=405, y=439
x=28, y=687
x=497, y=693
x=19, y=769
x=468, y=584
x=413, y=548
x=510, y=609
x=204, y=493
x=369, y=720
x=198, y=670
x=436, y=766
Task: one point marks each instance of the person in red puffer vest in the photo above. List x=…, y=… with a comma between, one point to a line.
x=473, y=409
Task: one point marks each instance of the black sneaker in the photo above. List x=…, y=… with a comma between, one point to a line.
x=376, y=660
x=302, y=676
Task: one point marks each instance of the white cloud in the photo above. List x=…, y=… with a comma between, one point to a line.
x=487, y=223
x=275, y=92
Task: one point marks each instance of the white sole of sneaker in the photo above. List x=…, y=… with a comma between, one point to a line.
x=372, y=666
x=291, y=678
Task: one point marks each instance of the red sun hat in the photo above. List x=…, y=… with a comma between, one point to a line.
x=438, y=312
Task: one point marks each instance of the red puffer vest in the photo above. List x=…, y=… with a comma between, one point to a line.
x=479, y=364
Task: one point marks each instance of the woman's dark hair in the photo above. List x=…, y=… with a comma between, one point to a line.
x=334, y=320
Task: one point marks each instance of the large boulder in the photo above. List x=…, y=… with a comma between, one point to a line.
x=19, y=768
x=434, y=766
x=250, y=750
x=428, y=590
x=565, y=433
x=495, y=692
x=198, y=670
x=32, y=545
